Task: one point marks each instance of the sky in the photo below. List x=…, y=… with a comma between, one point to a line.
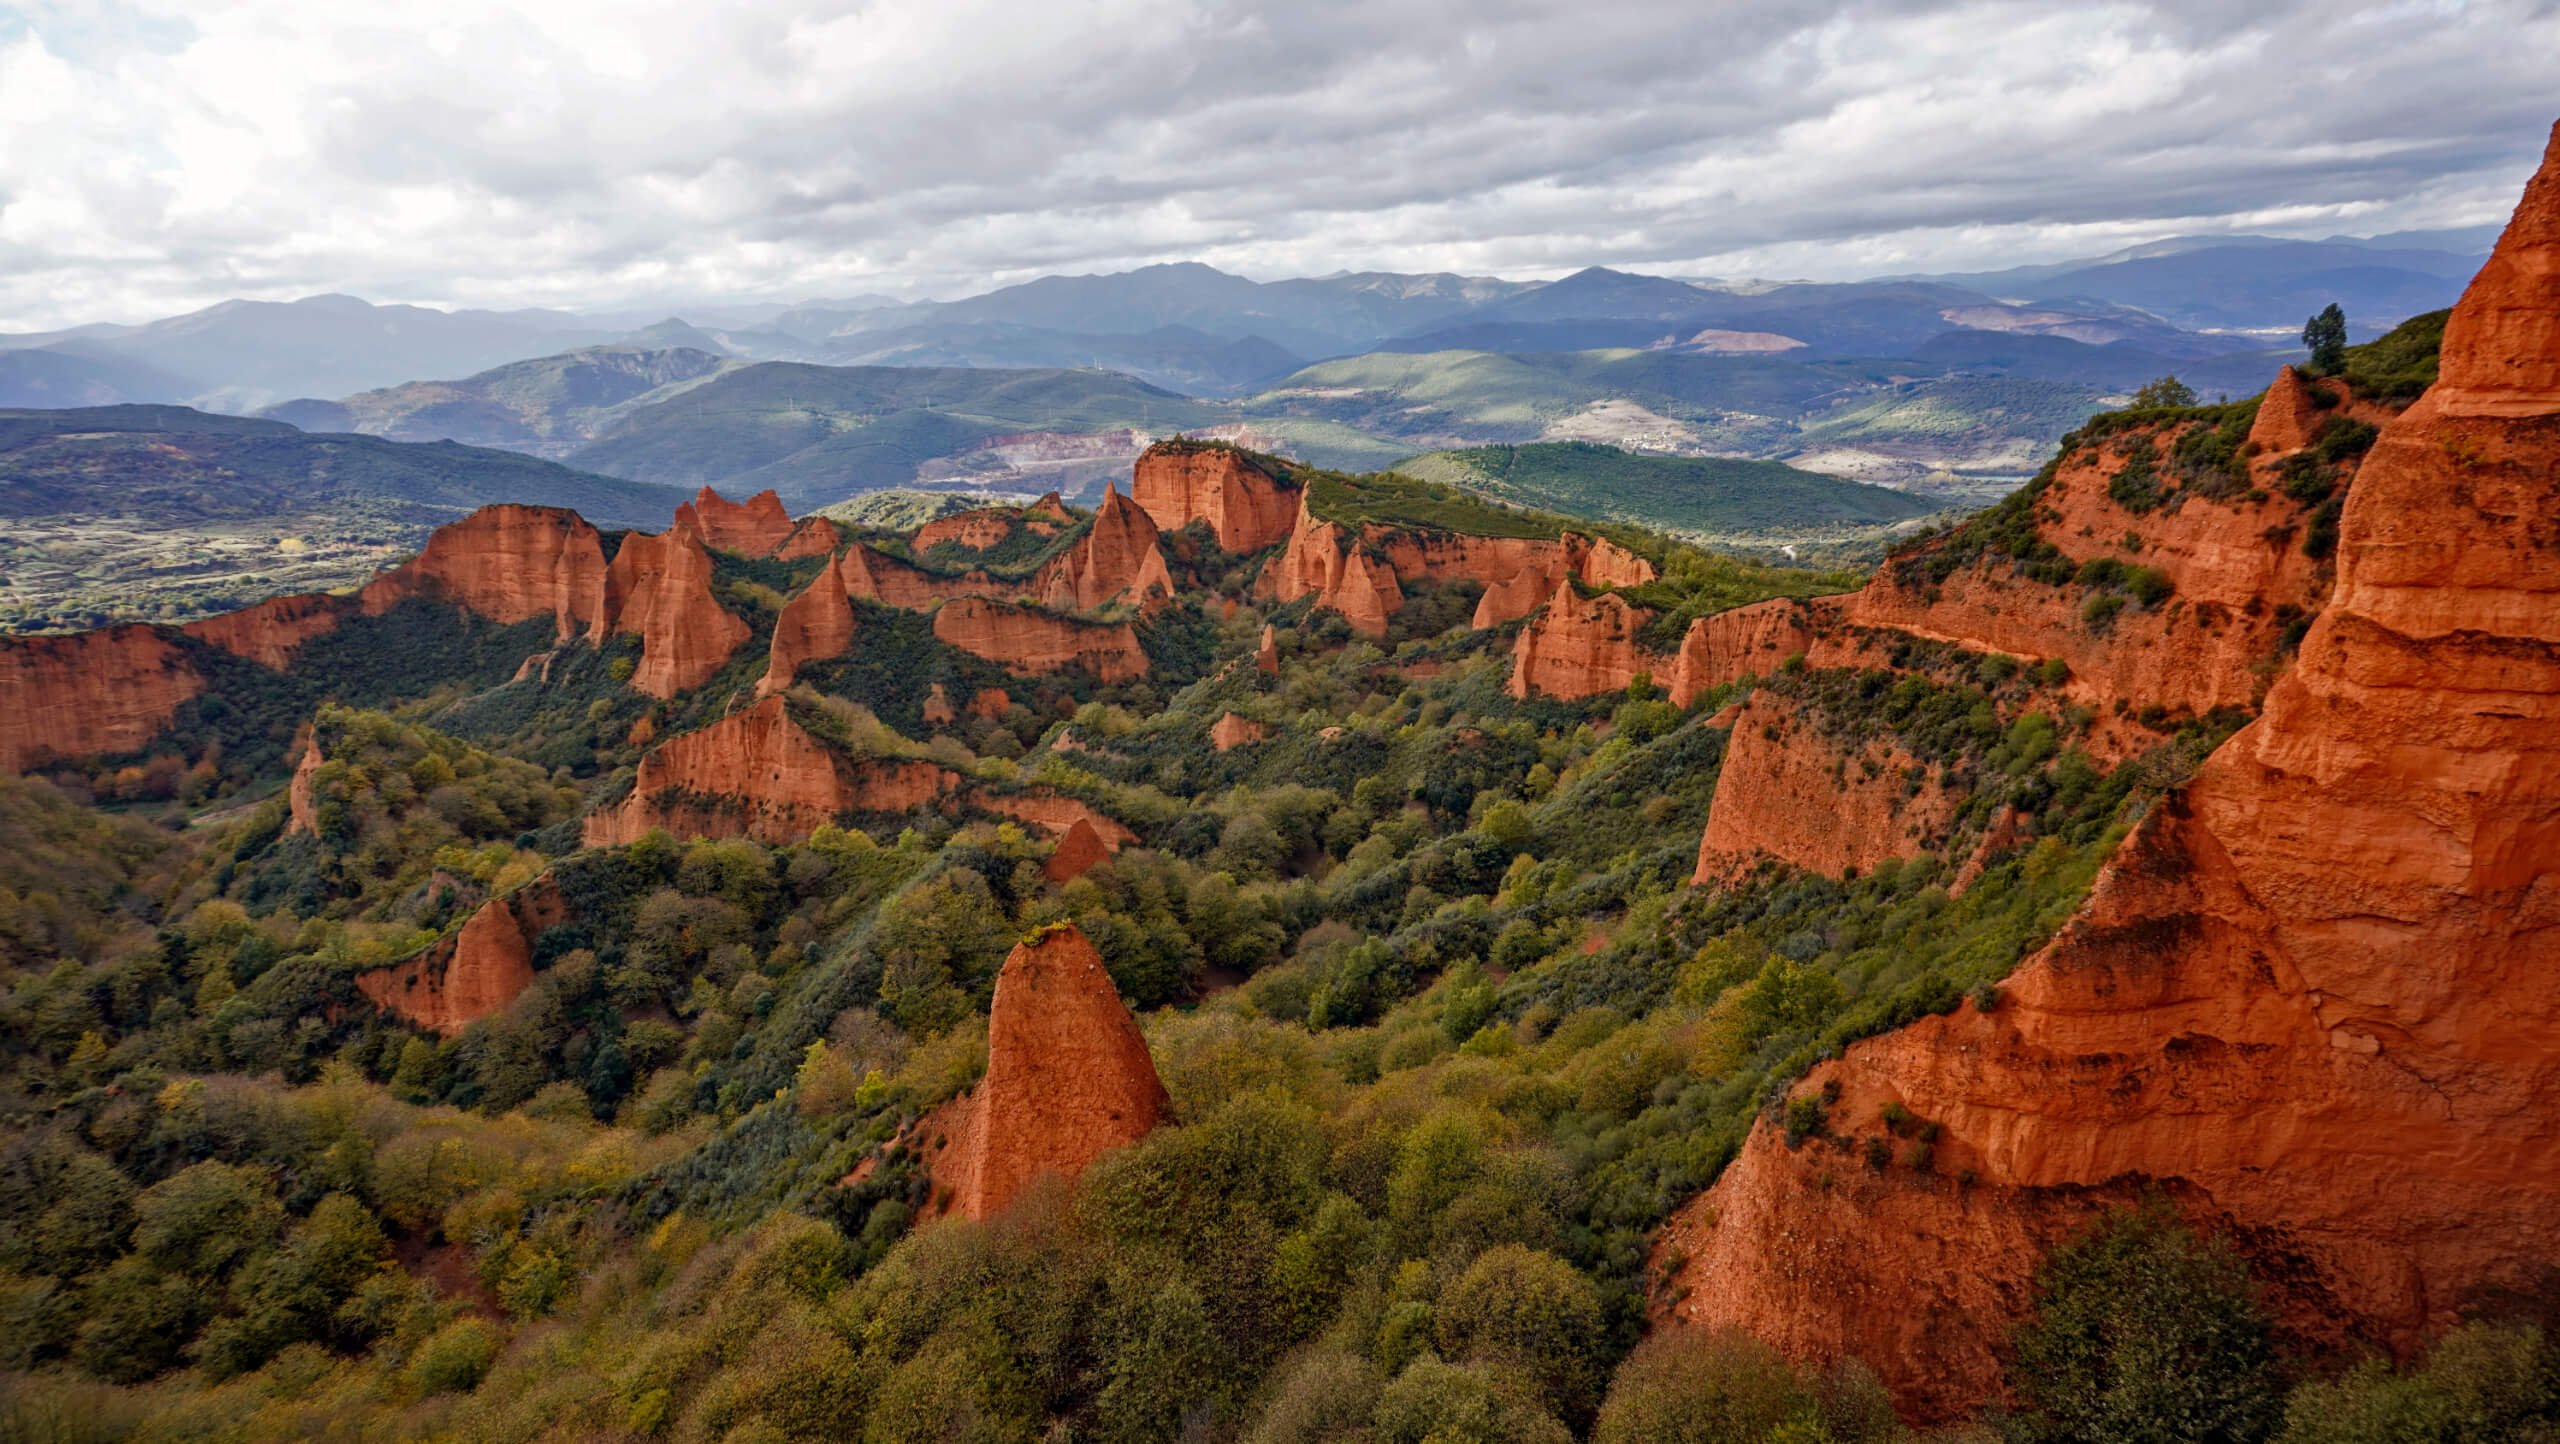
x=156, y=157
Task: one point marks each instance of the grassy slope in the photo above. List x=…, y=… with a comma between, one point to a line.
x=1692, y=493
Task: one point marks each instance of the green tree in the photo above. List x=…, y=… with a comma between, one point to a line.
x=2165, y=393
x=2146, y=1333
x=2326, y=335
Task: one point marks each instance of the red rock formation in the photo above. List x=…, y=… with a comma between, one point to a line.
x=2286, y=414
x=1032, y=642
x=1177, y=483
x=1514, y=597
x=973, y=530
x=302, y=806
x=815, y=536
x=1749, y=641
x=1053, y=509
x=660, y=587
x=1117, y=556
x=2309, y=999
x=273, y=630
x=1810, y=800
x=755, y=529
x=1068, y=1078
x=510, y=564
x=1234, y=730
x=1056, y=812
x=91, y=692
x=1323, y=560
x=757, y=774
x=878, y=577
x=475, y=971
x=1076, y=854
x=1583, y=646
x=1266, y=659
x=937, y=711
x=1611, y=565
x=814, y=625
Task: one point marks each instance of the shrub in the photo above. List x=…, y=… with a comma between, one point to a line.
x=456, y=1358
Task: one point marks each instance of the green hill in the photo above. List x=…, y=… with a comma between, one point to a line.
x=549, y=406
x=1680, y=493
x=818, y=434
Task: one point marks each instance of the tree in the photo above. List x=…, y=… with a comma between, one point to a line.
x=2164, y=393
x=2146, y=1333
x=2326, y=335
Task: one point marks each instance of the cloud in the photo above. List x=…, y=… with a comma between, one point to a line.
x=164, y=155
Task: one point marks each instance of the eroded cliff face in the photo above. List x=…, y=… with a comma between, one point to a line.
x=475, y=972
x=814, y=625
x=1324, y=560
x=758, y=774
x=1030, y=642
x=1058, y=813
x=1789, y=792
x=302, y=803
x=813, y=537
x=87, y=693
x=2308, y=999
x=510, y=564
x=660, y=587
x=1234, y=730
x=1177, y=483
x=978, y=530
x=878, y=577
x=273, y=630
x=1076, y=854
x=1117, y=556
x=1068, y=1078
x=755, y=528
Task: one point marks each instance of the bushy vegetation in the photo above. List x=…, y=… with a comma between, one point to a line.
x=1678, y=493
x=2399, y=365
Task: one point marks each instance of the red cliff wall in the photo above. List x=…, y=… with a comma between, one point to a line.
x=1068, y=1078
x=508, y=563
x=1324, y=561
x=814, y=537
x=878, y=577
x=273, y=630
x=755, y=528
x=475, y=972
x=1117, y=555
x=1030, y=642
x=1812, y=801
x=2309, y=998
x=816, y=624
x=757, y=774
x=1177, y=485
x=92, y=692
x=661, y=588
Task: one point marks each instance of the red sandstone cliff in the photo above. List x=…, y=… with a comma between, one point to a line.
x=814, y=537
x=878, y=577
x=1068, y=1078
x=1056, y=812
x=660, y=587
x=814, y=625
x=1177, y=483
x=1116, y=556
x=1076, y=854
x=971, y=530
x=510, y=564
x=1325, y=561
x=1787, y=792
x=1032, y=642
x=1585, y=646
x=756, y=528
x=477, y=970
x=757, y=774
x=92, y=692
x=273, y=630
x=2308, y=998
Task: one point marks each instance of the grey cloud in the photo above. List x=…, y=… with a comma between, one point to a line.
x=763, y=149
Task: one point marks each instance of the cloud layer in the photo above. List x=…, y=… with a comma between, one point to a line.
x=168, y=153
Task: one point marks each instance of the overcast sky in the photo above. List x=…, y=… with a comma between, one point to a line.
x=162, y=155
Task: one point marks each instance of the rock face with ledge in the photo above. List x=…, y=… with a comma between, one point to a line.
x=755, y=528
x=1031, y=642
x=1177, y=483
x=660, y=587
x=474, y=972
x=758, y=774
x=1068, y=1078
x=2309, y=1000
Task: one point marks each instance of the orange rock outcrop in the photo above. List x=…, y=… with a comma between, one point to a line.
x=814, y=537
x=755, y=528
x=1068, y=1078
x=1788, y=792
x=476, y=971
x=2308, y=999
x=1076, y=854
x=660, y=587
x=1235, y=730
x=1325, y=561
x=1117, y=556
x=1266, y=658
x=1177, y=483
x=876, y=576
x=816, y=624
x=972, y=530
x=302, y=803
x=91, y=692
x=273, y=630
x=758, y=774
x=510, y=564
x=1032, y=642
x=1585, y=646
x=1056, y=812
